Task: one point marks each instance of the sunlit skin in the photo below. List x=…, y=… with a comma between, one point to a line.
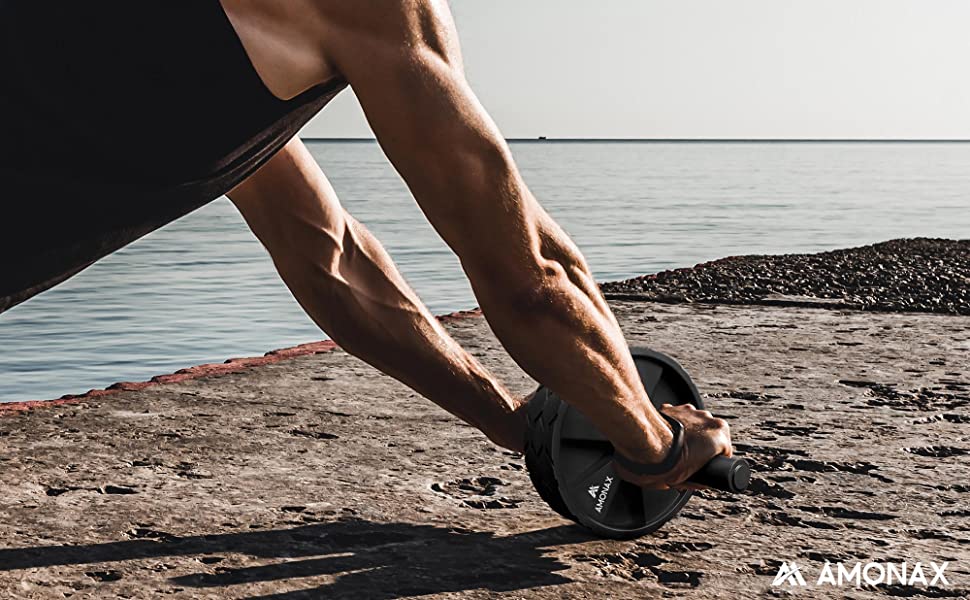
x=403, y=61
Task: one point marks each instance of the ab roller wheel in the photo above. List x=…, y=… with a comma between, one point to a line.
x=571, y=463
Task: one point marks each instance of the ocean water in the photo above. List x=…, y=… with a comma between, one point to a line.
x=203, y=290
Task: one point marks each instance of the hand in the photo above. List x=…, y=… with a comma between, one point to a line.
x=705, y=436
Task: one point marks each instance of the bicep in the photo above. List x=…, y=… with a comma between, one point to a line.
x=424, y=113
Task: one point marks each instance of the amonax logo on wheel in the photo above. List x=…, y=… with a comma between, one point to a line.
x=600, y=493
x=870, y=573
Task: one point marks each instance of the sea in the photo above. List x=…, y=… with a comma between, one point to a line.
x=203, y=289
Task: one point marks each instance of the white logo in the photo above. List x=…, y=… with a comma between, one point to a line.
x=788, y=573
x=593, y=490
x=874, y=574
x=870, y=573
x=603, y=494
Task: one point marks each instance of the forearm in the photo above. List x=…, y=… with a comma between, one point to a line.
x=531, y=281
x=360, y=300
x=346, y=282
x=536, y=290
x=367, y=308
x=551, y=317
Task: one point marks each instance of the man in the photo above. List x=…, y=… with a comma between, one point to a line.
x=224, y=87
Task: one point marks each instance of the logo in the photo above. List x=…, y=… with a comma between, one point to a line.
x=604, y=493
x=789, y=573
x=870, y=573
x=874, y=574
x=593, y=490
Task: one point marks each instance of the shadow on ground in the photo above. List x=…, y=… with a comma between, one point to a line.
x=374, y=560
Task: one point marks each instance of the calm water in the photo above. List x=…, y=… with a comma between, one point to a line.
x=203, y=290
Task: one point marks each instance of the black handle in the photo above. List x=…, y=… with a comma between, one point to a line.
x=723, y=473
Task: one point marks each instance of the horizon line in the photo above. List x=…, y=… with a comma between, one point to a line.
x=692, y=140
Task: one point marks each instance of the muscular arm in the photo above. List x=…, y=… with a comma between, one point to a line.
x=346, y=282
x=531, y=281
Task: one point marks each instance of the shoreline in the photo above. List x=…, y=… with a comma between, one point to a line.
x=227, y=367
x=919, y=275
x=739, y=280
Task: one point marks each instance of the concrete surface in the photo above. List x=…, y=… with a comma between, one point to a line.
x=317, y=477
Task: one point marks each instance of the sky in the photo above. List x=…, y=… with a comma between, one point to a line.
x=867, y=69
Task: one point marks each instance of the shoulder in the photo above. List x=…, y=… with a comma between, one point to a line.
x=384, y=15
x=395, y=23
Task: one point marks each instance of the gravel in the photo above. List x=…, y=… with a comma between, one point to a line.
x=904, y=275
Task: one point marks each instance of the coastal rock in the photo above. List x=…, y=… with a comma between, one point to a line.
x=913, y=275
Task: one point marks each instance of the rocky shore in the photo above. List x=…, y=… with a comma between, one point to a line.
x=917, y=275
x=307, y=474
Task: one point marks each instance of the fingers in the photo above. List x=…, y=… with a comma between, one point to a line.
x=720, y=431
x=724, y=430
x=707, y=436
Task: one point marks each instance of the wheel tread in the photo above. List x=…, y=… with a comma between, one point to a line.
x=538, y=453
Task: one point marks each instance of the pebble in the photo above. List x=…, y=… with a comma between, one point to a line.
x=911, y=275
